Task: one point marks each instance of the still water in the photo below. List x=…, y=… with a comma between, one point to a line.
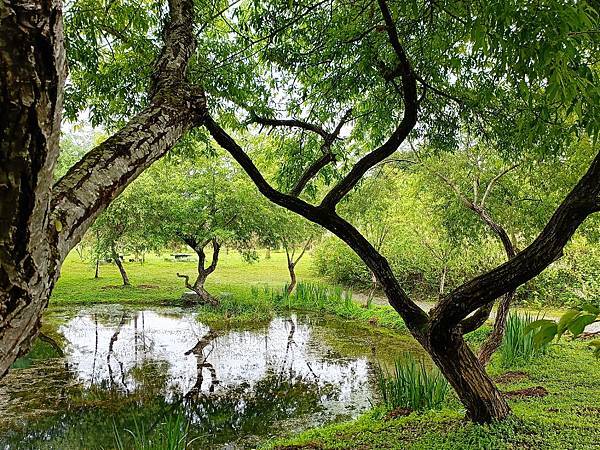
x=108, y=369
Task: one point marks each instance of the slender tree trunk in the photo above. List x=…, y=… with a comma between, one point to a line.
x=268, y=253
x=292, y=271
x=119, y=264
x=443, y=281
x=476, y=390
x=97, y=272
x=494, y=340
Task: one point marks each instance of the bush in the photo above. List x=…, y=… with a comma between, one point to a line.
x=411, y=385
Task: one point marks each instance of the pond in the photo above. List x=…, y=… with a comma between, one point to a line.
x=100, y=371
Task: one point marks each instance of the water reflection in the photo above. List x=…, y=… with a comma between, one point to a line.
x=140, y=365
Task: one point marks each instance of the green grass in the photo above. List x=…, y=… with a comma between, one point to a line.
x=337, y=301
x=155, y=281
x=411, y=385
x=517, y=347
x=566, y=418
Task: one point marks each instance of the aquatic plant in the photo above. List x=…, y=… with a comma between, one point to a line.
x=170, y=434
x=411, y=385
x=518, y=345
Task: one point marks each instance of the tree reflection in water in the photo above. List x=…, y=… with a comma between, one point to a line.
x=138, y=369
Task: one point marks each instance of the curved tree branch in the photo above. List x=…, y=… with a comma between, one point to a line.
x=413, y=315
x=174, y=108
x=328, y=139
x=582, y=201
x=409, y=119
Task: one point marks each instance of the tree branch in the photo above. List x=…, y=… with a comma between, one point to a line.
x=413, y=315
x=292, y=123
x=582, y=201
x=409, y=119
x=328, y=139
x=494, y=181
x=174, y=108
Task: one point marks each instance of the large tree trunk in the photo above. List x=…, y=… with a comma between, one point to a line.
x=40, y=223
x=32, y=74
x=119, y=263
x=476, y=390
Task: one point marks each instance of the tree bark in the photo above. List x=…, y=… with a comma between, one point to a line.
x=97, y=272
x=40, y=223
x=119, y=263
x=494, y=340
x=292, y=271
x=476, y=390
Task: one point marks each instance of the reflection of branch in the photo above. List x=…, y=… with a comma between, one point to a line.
x=47, y=339
x=111, y=345
x=201, y=363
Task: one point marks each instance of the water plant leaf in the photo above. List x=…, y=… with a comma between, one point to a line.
x=578, y=324
x=537, y=324
x=545, y=335
x=565, y=320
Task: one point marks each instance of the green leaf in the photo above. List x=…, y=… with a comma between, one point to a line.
x=591, y=309
x=537, y=324
x=545, y=335
x=565, y=320
x=578, y=325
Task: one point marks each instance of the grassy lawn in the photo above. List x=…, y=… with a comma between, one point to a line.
x=566, y=418
x=155, y=280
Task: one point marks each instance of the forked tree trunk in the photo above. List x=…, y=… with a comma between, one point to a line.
x=203, y=272
x=292, y=262
x=119, y=264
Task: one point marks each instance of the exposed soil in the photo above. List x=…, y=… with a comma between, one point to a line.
x=531, y=392
x=147, y=286
x=511, y=377
x=398, y=412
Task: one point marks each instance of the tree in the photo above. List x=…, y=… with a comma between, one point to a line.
x=503, y=70
x=40, y=220
x=527, y=92
x=282, y=229
x=203, y=202
x=120, y=229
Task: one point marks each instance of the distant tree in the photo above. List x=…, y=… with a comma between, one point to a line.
x=203, y=202
x=294, y=234
x=119, y=230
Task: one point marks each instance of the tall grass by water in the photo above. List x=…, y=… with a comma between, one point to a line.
x=518, y=347
x=334, y=300
x=411, y=385
x=170, y=434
